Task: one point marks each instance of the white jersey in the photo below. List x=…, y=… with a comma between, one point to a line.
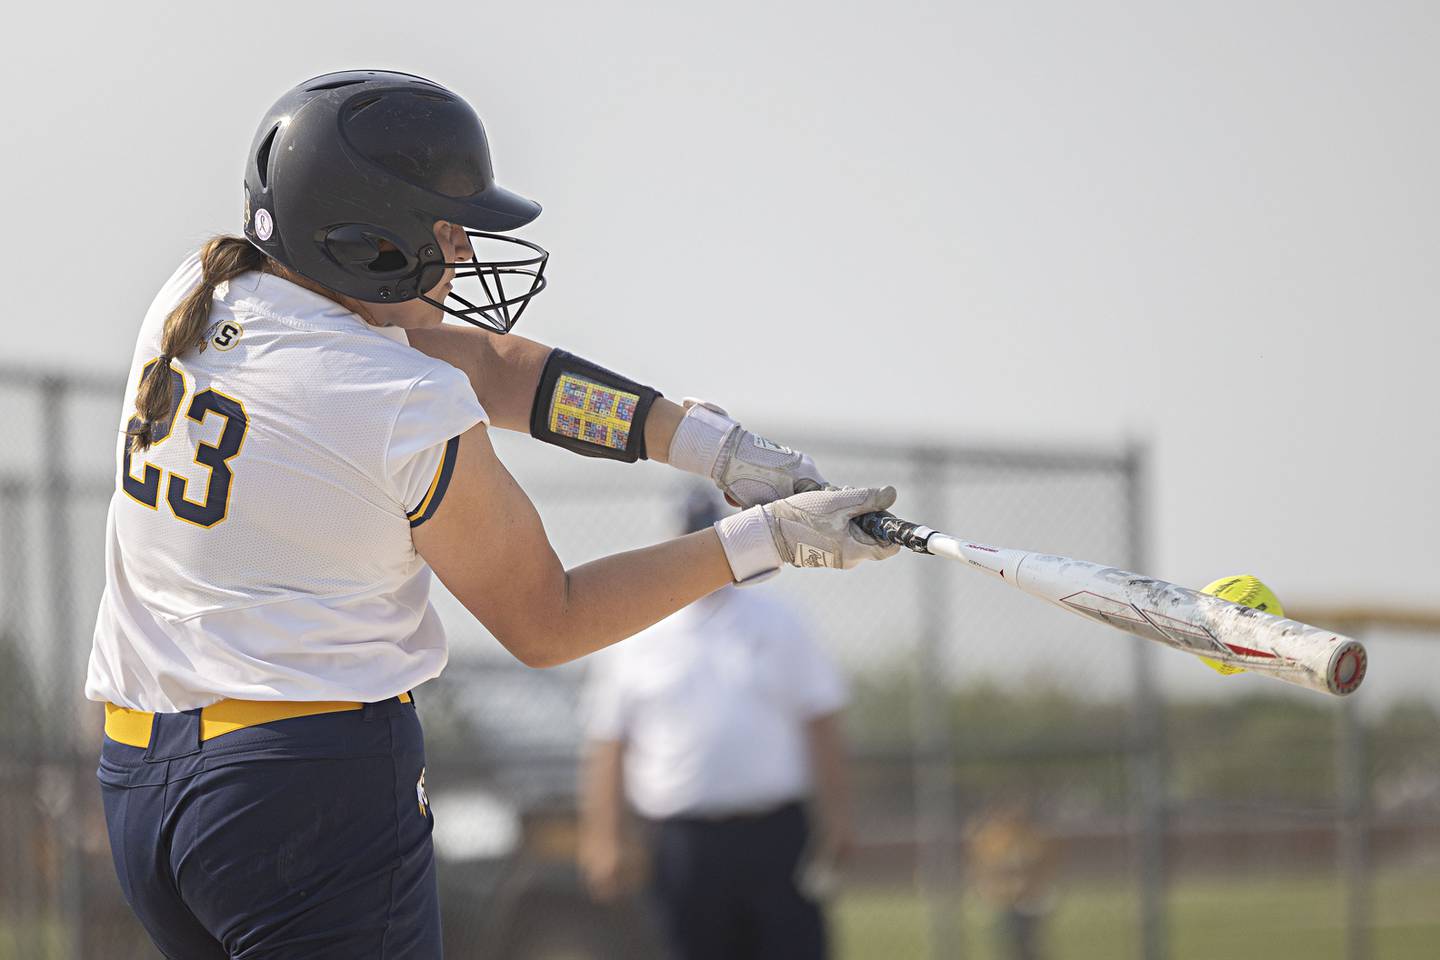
x=712, y=704
x=261, y=550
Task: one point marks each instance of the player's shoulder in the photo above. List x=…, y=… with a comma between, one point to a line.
x=186, y=277
x=177, y=286
x=335, y=341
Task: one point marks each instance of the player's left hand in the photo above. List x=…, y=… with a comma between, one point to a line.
x=747, y=468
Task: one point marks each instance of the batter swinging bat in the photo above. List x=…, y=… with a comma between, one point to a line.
x=1173, y=615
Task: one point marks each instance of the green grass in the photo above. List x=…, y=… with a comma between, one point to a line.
x=1274, y=918
x=1243, y=918
x=34, y=939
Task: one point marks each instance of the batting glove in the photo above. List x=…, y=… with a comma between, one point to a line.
x=746, y=467
x=806, y=530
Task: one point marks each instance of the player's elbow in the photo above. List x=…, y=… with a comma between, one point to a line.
x=533, y=638
x=534, y=646
x=539, y=630
x=528, y=618
x=540, y=658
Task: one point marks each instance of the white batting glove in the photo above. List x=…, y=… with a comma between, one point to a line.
x=746, y=467
x=806, y=530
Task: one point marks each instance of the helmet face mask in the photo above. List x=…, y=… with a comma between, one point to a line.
x=348, y=175
x=501, y=307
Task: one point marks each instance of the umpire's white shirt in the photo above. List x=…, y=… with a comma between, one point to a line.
x=711, y=705
x=309, y=588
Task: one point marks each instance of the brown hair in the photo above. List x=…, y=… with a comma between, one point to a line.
x=221, y=259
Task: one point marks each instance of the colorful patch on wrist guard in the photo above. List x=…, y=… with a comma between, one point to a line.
x=588, y=409
x=584, y=410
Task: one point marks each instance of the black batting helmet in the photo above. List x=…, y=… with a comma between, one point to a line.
x=348, y=174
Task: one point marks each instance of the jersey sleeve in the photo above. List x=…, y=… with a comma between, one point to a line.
x=420, y=457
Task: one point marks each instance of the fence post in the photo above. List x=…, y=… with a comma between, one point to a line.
x=56, y=501
x=1147, y=751
x=1353, y=828
x=21, y=895
x=13, y=582
x=935, y=801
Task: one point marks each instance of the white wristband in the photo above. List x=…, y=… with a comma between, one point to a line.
x=749, y=545
x=698, y=439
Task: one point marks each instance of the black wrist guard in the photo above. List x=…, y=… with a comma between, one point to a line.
x=588, y=409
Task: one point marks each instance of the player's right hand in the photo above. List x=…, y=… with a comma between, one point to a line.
x=811, y=529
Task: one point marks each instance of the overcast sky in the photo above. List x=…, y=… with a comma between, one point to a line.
x=1212, y=226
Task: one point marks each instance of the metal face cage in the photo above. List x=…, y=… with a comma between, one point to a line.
x=500, y=310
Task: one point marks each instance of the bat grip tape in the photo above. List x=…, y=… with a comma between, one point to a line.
x=884, y=526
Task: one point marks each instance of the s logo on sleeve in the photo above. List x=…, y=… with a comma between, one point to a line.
x=225, y=334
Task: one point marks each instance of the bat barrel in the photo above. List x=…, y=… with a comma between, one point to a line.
x=1209, y=627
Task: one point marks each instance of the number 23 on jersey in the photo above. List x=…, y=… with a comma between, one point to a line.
x=216, y=457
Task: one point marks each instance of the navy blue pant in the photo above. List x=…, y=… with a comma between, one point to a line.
x=301, y=838
x=726, y=888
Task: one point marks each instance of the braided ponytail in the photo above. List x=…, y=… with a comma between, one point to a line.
x=221, y=259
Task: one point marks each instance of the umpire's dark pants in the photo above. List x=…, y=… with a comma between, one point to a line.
x=727, y=888
x=300, y=838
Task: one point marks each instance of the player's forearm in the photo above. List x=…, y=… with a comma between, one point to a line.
x=829, y=768
x=606, y=600
x=601, y=851
x=660, y=427
x=600, y=799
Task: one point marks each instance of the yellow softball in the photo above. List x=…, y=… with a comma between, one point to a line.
x=1247, y=590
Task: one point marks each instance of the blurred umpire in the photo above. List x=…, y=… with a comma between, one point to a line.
x=721, y=727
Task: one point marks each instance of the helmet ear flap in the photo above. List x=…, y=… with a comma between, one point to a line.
x=361, y=248
x=430, y=275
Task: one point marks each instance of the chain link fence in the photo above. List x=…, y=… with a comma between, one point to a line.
x=1018, y=772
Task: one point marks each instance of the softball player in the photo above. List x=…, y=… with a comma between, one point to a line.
x=291, y=470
